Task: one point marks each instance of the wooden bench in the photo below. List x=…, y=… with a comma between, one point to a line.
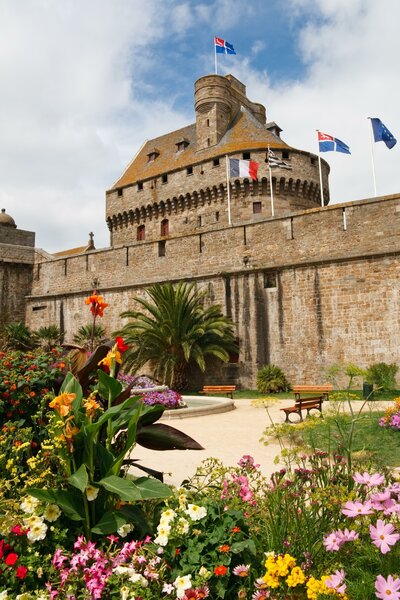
x=307, y=402
x=219, y=389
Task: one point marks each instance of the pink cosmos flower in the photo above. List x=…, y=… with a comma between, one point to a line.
x=382, y=535
x=387, y=589
x=332, y=542
x=347, y=536
x=356, y=509
x=336, y=582
x=381, y=496
x=369, y=480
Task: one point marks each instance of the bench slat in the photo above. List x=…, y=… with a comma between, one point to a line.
x=227, y=389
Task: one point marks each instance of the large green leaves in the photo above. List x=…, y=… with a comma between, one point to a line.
x=141, y=489
x=69, y=502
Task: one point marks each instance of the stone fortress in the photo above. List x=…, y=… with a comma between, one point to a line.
x=306, y=288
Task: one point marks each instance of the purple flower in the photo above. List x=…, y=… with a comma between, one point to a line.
x=387, y=589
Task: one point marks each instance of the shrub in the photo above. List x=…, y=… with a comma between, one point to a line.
x=271, y=378
x=17, y=336
x=382, y=375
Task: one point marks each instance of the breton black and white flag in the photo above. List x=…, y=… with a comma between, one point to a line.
x=274, y=161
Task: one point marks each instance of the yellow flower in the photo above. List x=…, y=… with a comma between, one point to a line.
x=113, y=355
x=62, y=403
x=272, y=581
x=296, y=577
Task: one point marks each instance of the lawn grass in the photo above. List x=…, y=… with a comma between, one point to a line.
x=251, y=394
x=382, y=443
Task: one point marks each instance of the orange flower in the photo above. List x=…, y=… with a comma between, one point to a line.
x=97, y=305
x=62, y=403
x=32, y=394
x=224, y=548
x=90, y=405
x=235, y=529
x=70, y=432
x=220, y=570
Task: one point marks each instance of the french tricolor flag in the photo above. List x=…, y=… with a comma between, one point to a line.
x=243, y=168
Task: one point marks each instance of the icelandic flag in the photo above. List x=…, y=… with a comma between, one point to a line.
x=243, y=168
x=328, y=143
x=382, y=133
x=223, y=47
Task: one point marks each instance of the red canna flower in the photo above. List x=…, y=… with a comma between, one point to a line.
x=122, y=347
x=220, y=570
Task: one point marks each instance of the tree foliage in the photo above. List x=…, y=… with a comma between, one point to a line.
x=173, y=329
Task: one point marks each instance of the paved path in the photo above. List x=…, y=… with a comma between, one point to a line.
x=227, y=436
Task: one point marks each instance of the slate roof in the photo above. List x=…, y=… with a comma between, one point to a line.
x=244, y=132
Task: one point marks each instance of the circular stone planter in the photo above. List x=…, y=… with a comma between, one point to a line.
x=198, y=407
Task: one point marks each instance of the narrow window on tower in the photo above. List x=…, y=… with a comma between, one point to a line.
x=285, y=154
x=216, y=162
x=164, y=227
x=189, y=171
x=270, y=279
x=120, y=192
x=140, y=185
x=140, y=233
x=164, y=178
x=217, y=216
x=161, y=248
x=246, y=155
x=257, y=208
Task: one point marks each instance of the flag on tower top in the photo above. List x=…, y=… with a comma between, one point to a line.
x=243, y=168
x=382, y=133
x=328, y=143
x=223, y=47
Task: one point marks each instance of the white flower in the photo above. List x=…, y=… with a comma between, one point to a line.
x=29, y=504
x=51, y=513
x=161, y=540
x=91, y=492
x=182, y=500
x=124, y=592
x=138, y=578
x=33, y=520
x=24, y=596
x=181, y=584
x=125, y=529
x=3, y=595
x=37, y=532
x=167, y=516
x=163, y=529
x=124, y=570
x=183, y=526
x=196, y=512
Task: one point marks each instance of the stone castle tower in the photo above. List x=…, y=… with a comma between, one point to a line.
x=17, y=254
x=177, y=183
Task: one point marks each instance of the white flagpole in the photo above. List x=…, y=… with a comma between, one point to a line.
x=372, y=157
x=320, y=172
x=270, y=185
x=215, y=57
x=228, y=187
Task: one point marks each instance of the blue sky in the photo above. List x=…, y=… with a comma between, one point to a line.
x=84, y=83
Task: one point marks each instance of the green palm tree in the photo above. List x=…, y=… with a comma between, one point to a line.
x=174, y=330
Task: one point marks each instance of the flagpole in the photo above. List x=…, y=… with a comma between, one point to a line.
x=215, y=57
x=228, y=187
x=271, y=188
x=320, y=173
x=372, y=157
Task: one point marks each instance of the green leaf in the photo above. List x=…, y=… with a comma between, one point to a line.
x=79, y=479
x=69, y=502
x=249, y=545
x=123, y=488
x=109, y=388
x=164, y=437
x=152, y=488
x=109, y=523
x=103, y=459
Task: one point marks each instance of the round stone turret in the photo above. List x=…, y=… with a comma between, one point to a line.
x=6, y=220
